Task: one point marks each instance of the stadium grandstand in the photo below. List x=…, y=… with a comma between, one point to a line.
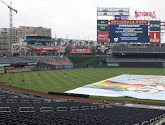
x=121, y=43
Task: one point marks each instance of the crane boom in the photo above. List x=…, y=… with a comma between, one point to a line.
x=8, y=6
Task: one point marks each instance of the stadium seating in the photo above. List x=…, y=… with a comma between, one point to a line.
x=146, y=50
x=116, y=49
x=13, y=59
x=18, y=108
x=159, y=49
x=112, y=59
x=5, y=60
x=135, y=49
x=128, y=50
x=18, y=59
x=54, y=60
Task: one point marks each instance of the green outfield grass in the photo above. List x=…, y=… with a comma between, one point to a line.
x=54, y=80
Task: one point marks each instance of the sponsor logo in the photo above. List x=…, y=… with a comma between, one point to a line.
x=113, y=64
x=102, y=36
x=103, y=48
x=154, y=37
x=149, y=14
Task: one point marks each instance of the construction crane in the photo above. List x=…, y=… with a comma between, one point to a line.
x=11, y=22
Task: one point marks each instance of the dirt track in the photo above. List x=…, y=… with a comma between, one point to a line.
x=43, y=94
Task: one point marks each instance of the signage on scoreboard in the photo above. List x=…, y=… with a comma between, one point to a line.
x=128, y=21
x=102, y=11
x=121, y=17
x=154, y=37
x=101, y=22
x=129, y=31
x=154, y=25
x=102, y=36
x=80, y=51
x=102, y=25
x=145, y=14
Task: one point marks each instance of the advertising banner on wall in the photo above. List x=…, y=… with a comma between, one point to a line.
x=80, y=50
x=154, y=37
x=9, y=67
x=154, y=25
x=59, y=66
x=102, y=36
x=5, y=65
x=46, y=48
x=68, y=66
x=113, y=64
x=129, y=31
x=102, y=49
x=2, y=70
x=26, y=69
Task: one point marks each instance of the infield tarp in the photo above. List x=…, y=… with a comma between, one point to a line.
x=137, y=86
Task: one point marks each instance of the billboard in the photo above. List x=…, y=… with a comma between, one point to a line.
x=85, y=51
x=117, y=17
x=102, y=49
x=102, y=36
x=154, y=25
x=129, y=31
x=154, y=37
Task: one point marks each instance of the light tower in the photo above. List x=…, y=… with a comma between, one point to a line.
x=11, y=22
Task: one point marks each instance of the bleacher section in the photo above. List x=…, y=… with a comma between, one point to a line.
x=133, y=59
x=137, y=55
x=126, y=49
x=13, y=59
x=54, y=60
x=18, y=108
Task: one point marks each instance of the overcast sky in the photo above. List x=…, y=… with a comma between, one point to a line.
x=72, y=18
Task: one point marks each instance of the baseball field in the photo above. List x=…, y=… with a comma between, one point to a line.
x=55, y=80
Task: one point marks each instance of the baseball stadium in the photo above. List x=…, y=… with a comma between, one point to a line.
x=117, y=80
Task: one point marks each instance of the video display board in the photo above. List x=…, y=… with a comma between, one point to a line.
x=129, y=31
